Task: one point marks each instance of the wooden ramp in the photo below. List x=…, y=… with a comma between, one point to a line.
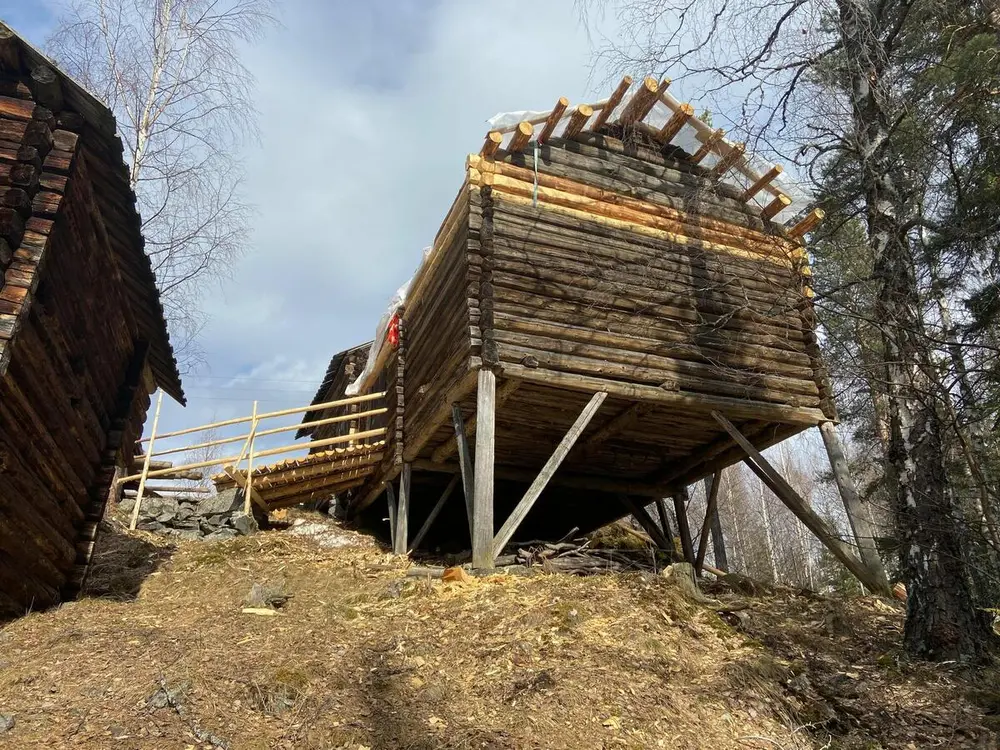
x=306, y=479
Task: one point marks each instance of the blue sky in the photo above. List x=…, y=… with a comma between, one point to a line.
x=367, y=112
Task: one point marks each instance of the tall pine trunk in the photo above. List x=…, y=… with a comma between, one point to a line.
x=942, y=621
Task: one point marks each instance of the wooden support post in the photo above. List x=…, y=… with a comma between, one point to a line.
x=482, y=506
x=864, y=534
x=551, y=466
x=464, y=461
x=718, y=539
x=711, y=511
x=613, y=101
x=661, y=511
x=145, y=464
x=401, y=537
x=248, y=490
x=681, y=498
x=504, y=392
x=390, y=496
x=648, y=524
x=435, y=512
x=795, y=503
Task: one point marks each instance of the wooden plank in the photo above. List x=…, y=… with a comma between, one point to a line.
x=145, y=467
x=795, y=503
x=504, y=392
x=248, y=490
x=482, y=506
x=744, y=408
x=711, y=511
x=435, y=512
x=551, y=466
x=252, y=495
x=718, y=538
x=464, y=461
x=618, y=423
x=661, y=510
x=390, y=496
x=681, y=498
x=864, y=534
x=401, y=537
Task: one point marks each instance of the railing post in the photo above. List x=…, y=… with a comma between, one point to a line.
x=248, y=490
x=145, y=465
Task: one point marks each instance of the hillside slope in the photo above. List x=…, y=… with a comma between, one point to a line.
x=362, y=656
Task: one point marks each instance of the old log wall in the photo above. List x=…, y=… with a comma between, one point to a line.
x=78, y=310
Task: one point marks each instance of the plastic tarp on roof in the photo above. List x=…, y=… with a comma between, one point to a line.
x=686, y=139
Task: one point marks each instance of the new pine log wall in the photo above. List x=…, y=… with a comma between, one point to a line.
x=75, y=392
x=680, y=287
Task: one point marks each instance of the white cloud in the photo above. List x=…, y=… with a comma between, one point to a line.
x=355, y=173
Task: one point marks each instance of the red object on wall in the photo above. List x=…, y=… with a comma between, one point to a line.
x=393, y=333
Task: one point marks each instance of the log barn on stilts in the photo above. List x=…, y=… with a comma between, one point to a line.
x=82, y=335
x=611, y=311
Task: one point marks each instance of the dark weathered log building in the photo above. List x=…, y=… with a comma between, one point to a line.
x=82, y=335
x=604, y=316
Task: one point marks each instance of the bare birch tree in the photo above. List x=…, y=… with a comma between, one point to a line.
x=172, y=73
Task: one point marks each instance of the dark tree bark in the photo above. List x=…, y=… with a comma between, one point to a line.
x=942, y=622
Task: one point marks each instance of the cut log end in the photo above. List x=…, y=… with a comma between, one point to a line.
x=522, y=134
x=493, y=140
x=775, y=207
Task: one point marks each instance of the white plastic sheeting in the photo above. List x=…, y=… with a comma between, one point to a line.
x=396, y=302
x=686, y=139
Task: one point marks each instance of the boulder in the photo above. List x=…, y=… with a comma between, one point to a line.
x=224, y=502
x=244, y=524
x=163, y=509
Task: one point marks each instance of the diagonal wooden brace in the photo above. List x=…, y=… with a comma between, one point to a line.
x=797, y=504
x=551, y=466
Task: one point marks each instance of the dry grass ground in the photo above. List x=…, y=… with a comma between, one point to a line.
x=362, y=656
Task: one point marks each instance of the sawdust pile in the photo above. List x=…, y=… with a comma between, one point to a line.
x=318, y=639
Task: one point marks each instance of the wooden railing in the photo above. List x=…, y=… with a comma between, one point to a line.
x=249, y=439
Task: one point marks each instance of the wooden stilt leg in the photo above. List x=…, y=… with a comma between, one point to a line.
x=718, y=540
x=551, y=466
x=435, y=512
x=864, y=534
x=399, y=541
x=390, y=496
x=668, y=534
x=681, y=498
x=482, y=506
x=464, y=460
x=647, y=523
x=795, y=503
x=711, y=511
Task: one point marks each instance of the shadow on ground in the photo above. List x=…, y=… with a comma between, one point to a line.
x=122, y=562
